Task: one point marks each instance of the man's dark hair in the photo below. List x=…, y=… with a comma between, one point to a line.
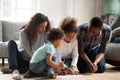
x=96, y=22
x=55, y=34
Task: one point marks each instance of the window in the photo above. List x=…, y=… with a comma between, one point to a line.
x=17, y=10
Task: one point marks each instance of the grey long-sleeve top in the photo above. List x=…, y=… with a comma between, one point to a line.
x=24, y=45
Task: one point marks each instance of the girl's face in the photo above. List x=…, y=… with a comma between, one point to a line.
x=42, y=27
x=57, y=43
x=69, y=36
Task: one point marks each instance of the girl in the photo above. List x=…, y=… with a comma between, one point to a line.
x=68, y=50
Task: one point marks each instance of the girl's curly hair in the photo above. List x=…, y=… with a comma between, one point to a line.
x=68, y=25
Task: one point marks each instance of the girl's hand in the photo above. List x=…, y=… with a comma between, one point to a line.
x=74, y=70
x=61, y=65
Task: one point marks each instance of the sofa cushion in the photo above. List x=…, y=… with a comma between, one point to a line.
x=116, y=31
x=3, y=49
x=0, y=30
x=113, y=53
x=11, y=30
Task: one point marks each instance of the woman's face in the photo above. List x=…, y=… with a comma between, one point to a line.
x=69, y=36
x=42, y=27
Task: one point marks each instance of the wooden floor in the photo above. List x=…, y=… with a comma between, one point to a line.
x=112, y=73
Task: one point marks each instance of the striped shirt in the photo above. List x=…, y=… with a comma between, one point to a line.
x=86, y=42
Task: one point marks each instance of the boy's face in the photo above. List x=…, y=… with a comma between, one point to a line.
x=93, y=31
x=57, y=43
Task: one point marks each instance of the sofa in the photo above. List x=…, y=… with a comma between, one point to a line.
x=8, y=31
x=113, y=49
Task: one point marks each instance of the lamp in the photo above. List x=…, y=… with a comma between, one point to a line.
x=111, y=8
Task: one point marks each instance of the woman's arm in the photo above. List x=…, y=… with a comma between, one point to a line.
x=25, y=42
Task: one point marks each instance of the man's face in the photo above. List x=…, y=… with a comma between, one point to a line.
x=93, y=31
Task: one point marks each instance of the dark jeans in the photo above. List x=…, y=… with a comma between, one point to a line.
x=115, y=39
x=83, y=66
x=68, y=62
x=15, y=60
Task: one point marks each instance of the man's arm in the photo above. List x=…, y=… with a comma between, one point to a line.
x=83, y=55
x=99, y=57
x=105, y=38
x=85, y=58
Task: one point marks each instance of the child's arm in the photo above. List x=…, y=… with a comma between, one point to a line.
x=51, y=63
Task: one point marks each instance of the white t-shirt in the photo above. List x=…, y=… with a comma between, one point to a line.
x=68, y=50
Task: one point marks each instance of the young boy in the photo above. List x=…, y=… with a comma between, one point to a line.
x=42, y=62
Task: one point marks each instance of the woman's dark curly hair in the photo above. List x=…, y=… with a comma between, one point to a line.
x=32, y=27
x=69, y=25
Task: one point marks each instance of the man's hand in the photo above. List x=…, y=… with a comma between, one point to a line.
x=93, y=67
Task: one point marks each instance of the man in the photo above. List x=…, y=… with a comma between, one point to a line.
x=92, y=40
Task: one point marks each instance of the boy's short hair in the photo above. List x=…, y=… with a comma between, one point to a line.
x=55, y=34
x=96, y=22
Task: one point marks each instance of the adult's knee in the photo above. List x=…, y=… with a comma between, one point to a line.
x=101, y=70
x=11, y=43
x=82, y=67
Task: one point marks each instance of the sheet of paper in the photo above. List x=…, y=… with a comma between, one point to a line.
x=68, y=76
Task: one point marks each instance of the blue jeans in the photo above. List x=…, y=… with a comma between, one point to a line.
x=83, y=66
x=15, y=60
x=42, y=67
x=68, y=62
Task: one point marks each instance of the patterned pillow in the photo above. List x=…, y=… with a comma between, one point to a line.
x=115, y=23
x=116, y=32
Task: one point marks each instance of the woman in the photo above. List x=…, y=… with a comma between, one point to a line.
x=32, y=36
x=68, y=50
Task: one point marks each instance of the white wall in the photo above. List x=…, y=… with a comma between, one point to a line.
x=54, y=9
x=86, y=9
x=83, y=10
